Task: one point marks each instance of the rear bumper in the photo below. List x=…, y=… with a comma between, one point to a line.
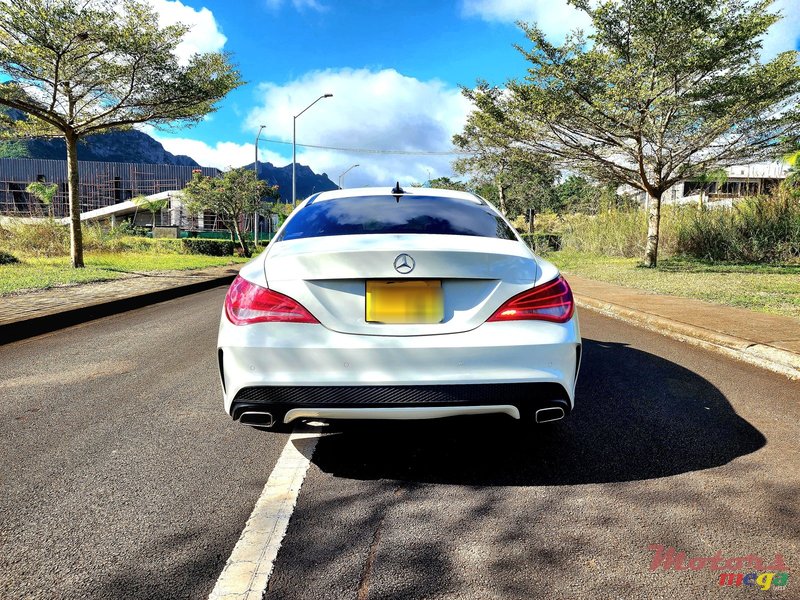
x=287, y=403
x=405, y=413
x=510, y=367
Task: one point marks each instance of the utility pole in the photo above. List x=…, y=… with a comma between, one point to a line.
x=255, y=169
x=341, y=177
x=294, y=145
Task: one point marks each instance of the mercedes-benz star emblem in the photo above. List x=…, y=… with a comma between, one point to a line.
x=404, y=264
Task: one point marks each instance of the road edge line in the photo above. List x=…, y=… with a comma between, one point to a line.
x=247, y=571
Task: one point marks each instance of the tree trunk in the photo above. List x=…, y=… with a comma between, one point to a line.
x=653, y=221
x=242, y=243
x=501, y=192
x=75, y=234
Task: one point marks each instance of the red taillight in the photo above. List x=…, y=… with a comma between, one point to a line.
x=248, y=303
x=551, y=301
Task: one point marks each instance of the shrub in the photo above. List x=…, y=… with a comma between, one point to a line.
x=168, y=246
x=613, y=232
x=43, y=238
x=519, y=223
x=7, y=259
x=208, y=247
x=50, y=238
x=542, y=242
x=99, y=239
x=707, y=236
x=127, y=227
x=760, y=229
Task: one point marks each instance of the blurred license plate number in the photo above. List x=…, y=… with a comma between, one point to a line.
x=405, y=301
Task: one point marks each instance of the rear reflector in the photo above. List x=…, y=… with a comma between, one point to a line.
x=550, y=301
x=248, y=303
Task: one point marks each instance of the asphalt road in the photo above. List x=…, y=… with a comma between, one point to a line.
x=121, y=477
x=120, y=474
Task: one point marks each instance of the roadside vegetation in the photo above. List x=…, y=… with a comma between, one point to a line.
x=773, y=289
x=746, y=256
x=79, y=68
x=36, y=255
x=233, y=195
x=628, y=105
x=759, y=230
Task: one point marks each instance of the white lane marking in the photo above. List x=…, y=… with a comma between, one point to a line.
x=249, y=567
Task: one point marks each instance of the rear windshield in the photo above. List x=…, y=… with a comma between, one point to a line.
x=384, y=214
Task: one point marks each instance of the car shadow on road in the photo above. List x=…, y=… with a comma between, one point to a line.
x=637, y=416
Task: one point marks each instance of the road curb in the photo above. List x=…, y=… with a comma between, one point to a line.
x=27, y=328
x=767, y=357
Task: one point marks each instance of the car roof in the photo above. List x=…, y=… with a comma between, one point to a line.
x=387, y=191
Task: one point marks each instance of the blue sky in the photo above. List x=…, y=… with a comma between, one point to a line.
x=393, y=67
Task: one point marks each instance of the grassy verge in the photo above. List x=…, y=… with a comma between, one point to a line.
x=764, y=288
x=40, y=273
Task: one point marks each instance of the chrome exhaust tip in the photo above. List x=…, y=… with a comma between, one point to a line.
x=546, y=415
x=256, y=418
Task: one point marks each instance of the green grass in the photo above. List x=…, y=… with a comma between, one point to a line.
x=39, y=273
x=765, y=288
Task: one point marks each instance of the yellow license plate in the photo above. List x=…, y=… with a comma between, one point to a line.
x=405, y=301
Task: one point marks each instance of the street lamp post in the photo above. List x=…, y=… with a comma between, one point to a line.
x=341, y=177
x=255, y=169
x=294, y=145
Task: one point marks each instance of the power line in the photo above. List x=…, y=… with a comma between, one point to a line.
x=373, y=150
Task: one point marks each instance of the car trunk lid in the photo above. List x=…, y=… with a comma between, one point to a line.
x=329, y=275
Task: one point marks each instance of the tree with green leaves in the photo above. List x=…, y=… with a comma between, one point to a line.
x=490, y=158
x=512, y=178
x=10, y=147
x=792, y=182
x=44, y=192
x=578, y=194
x=80, y=67
x=445, y=183
x=13, y=149
x=661, y=91
x=281, y=210
x=232, y=196
x=152, y=205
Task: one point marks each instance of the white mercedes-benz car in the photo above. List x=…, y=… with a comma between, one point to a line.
x=385, y=303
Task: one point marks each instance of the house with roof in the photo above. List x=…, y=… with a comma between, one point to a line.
x=740, y=181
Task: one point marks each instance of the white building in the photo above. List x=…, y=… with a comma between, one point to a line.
x=742, y=180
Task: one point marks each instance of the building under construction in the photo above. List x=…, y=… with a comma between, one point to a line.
x=102, y=184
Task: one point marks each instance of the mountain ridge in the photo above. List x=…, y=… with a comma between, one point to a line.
x=308, y=182
x=137, y=147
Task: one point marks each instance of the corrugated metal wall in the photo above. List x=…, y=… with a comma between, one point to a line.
x=101, y=183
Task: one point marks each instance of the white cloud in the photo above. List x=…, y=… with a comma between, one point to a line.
x=785, y=34
x=555, y=17
x=222, y=155
x=298, y=4
x=204, y=35
x=369, y=109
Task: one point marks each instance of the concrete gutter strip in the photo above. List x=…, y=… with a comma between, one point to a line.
x=764, y=356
